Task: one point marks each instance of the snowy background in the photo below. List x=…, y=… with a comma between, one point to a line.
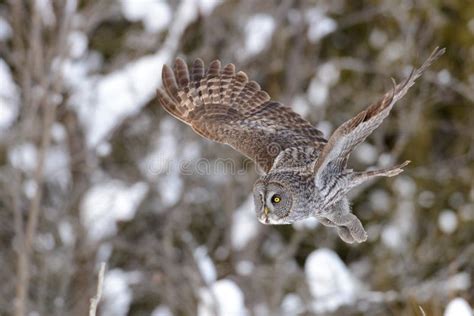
x=92, y=170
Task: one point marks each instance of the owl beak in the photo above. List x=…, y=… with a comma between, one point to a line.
x=265, y=211
x=265, y=219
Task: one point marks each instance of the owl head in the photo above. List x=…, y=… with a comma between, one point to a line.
x=278, y=198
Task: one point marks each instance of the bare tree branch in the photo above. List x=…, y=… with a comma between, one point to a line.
x=100, y=283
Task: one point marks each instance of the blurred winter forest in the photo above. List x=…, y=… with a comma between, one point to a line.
x=91, y=166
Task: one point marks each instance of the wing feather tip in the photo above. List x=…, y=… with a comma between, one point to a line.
x=181, y=72
x=404, y=164
x=166, y=71
x=179, y=61
x=242, y=75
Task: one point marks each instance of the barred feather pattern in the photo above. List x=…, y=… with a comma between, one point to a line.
x=226, y=107
x=354, y=131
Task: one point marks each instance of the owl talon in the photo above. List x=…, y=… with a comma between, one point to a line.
x=357, y=230
x=359, y=235
x=345, y=234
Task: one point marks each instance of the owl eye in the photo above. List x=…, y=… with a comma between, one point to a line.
x=276, y=198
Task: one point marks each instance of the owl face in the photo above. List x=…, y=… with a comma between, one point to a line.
x=273, y=203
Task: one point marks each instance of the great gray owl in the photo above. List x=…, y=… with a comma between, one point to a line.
x=303, y=174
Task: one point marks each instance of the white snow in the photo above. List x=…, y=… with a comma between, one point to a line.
x=318, y=92
x=161, y=164
x=328, y=73
x=377, y=38
x=5, y=30
x=405, y=187
x=9, y=96
x=117, y=294
x=207, y=6
x=77, y=43
x=244, y=225
x=244, y=267
x=395, y=234
x=104, y=252
x=380, y=200
x=258, y=32
x=205, y=264
x=326, y=127
x=103, y=149
x=326, y=76
x=458, y=307
x=448, y=221
x=223, y=297
x=106, y=203
x=161, y=310
x=386, y=160
x=70, y=7
x=46, y=12
x=56, y=166
x=392, y=237
x=23, y=157
x=393, y=51
x=320, y=24
x=75, y=70
x=58, y=132
x=300, y=105
x=170, y=187
x=366, y=153
x=29, y=188
x=458, y=282
x=292, y=304
x=330, y=281
x=165, y=149
x=154, y=14
x=164, y=163
x=103, y=101
x=444, y=77
x=273, y=246
x=66, y=233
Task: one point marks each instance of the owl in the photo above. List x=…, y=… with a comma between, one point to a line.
x=302, y=174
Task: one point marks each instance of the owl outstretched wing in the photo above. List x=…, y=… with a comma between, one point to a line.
x=224, y=106
x=334, y=155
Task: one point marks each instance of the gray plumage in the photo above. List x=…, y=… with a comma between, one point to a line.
x=303, y=174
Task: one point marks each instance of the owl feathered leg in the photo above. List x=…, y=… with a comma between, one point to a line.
x=339, y=215
x=349, y=227
x=342, y=231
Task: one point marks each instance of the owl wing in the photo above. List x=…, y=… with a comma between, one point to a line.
x=224, y=106
x=335, y=153
x=300, y=158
